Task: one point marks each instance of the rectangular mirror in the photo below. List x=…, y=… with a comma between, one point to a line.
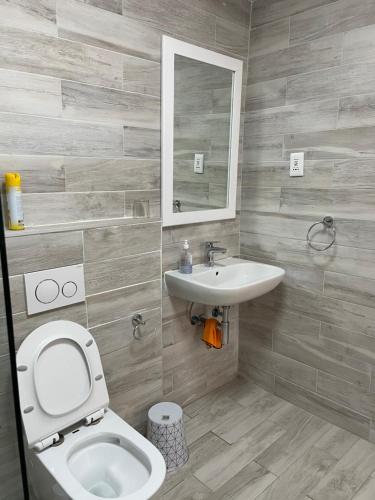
x=201, y=108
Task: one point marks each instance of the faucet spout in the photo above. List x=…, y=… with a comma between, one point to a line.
x=211, y=251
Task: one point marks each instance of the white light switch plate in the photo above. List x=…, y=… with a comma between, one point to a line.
x=199, y=163
x=297, y=161
x=54, y=288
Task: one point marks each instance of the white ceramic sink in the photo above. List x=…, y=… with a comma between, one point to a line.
x=229, y=282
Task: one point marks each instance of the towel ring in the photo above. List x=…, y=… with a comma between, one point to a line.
x=328, y=223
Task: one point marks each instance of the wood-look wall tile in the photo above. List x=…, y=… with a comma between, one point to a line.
x=24, y=324
x=97, y=104
x=26, y=135
x=354, y=233
x=281, y=366
x=17, y=292
x=276, y=174
x=354, y=174
x=141, y=142
x=125, y=271
x=357, y=111
x=29, y=94
x=6, y=383
x=266, y=11
x=345, y=80
x=26, y=51
x=119, y=334
x=174, y=17
x=331, y=144
x=279, y=320
x=346, y=394
x=351, y=343
x=311, y=56
x=72, y=207
x=110, y=174
x=129, y=402
x=350, y=288
x=314, y=353
x=336, y=17
x=347, y=202
x=261, y=199
x=269, y=37
x=120, y=241
x=357, y=465
x=324, y=408
x=343, y=314
x=231, y=37
x=83, y=23
x=112, y=5
x=267, y=148
x=40, y=174
x=32, y=15
x=142, y=204
x=117, y=304
x=358, y=45
x=27, y=254
x=142, y=76
x=236, y=11
x=266, y=94
x=286, y=119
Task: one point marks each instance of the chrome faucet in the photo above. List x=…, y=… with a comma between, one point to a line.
x=211, y=250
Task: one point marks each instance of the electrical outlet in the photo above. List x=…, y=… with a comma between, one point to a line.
x=199, y=163
x=297, y=161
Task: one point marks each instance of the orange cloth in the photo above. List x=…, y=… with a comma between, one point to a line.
x=212, y=333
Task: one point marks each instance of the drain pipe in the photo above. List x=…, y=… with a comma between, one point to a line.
x=225, y=325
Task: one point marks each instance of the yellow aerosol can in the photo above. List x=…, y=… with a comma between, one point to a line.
x=14, y=201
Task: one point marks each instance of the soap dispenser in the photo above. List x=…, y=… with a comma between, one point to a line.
x=186, y=259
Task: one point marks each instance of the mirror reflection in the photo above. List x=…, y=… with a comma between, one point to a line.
x=202, y=135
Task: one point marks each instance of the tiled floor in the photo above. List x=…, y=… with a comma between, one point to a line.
x=247, y=444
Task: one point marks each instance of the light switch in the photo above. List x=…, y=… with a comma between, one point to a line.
x=297, y=161
x=54, y=288
x=199, y=163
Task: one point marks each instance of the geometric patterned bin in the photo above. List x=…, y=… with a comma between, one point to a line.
x=165, y=430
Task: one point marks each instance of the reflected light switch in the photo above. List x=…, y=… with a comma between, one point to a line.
x=199, y=163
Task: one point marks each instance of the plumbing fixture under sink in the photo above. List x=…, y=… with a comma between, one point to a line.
x=229, y=282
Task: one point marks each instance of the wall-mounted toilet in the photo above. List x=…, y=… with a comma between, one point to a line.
x=78, y=448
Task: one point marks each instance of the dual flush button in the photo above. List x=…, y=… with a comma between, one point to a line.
x=48, y=290
x=54, y=288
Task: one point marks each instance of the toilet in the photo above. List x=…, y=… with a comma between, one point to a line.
x=78, y=448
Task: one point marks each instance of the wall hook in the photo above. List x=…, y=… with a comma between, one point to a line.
x=137, y=322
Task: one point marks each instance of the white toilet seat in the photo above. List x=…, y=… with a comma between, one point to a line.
x=112, y=428
x=62, y=386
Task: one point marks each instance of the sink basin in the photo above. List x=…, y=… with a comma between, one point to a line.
x=229, y=282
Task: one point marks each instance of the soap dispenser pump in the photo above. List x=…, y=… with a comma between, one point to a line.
x=186, y=259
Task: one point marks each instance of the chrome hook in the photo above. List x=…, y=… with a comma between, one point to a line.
x=137, y=322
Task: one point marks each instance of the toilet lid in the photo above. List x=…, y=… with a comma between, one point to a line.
x=60, y=377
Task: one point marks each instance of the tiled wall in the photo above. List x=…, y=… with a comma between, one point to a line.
x=311, y=88
x=80, y=119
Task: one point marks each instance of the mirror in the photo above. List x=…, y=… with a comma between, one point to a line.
x=201, y=121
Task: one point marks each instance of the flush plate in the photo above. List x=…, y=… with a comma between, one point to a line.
x=54, y=288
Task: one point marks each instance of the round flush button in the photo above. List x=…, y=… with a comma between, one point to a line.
x=69, y=289
x=47, y=291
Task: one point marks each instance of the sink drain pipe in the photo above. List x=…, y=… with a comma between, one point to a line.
x=224, y=325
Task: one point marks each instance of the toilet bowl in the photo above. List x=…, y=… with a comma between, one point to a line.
x=78, y=448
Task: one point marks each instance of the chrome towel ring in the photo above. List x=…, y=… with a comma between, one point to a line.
x=329, y=224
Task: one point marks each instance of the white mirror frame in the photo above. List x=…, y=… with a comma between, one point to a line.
x=171, y=47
